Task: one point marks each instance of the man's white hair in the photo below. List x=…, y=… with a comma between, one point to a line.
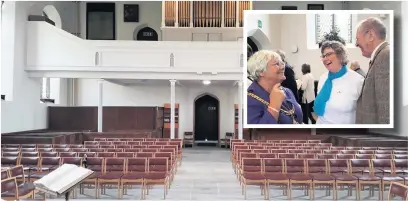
x=258, y=63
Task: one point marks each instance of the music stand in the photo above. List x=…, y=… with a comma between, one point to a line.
x=66, y=193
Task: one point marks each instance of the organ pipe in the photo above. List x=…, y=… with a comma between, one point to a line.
x=205, y=13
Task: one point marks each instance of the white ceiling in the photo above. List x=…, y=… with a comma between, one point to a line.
x=184, y=83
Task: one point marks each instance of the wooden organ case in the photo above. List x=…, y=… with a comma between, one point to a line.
x=203, y=20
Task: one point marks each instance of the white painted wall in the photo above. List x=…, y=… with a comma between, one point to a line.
x=24, y=111
x=158, y=95
x=7, y=43
x=251, y=23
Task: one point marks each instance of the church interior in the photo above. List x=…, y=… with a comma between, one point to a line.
x=149, y=96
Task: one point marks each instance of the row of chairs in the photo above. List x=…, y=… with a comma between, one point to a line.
x=122, y=172
x=137, y=139
x=243, y=154
x=14, y=186
x=92, y=144
x=322, y=151
x=330, y=173
x=152, y=148
x=319, y=156
x=273, y=141
x=100, y=143
x=129, y=153
x=260, y=144
x=294, y=153
x=317, y=148
x=34, y=152
x=38, y=162
x=272, y=152
x=316, y=145
x=113, y=153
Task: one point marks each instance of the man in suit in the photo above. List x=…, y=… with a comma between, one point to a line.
x=373, y=106
x=356, y=67
x=290, y=81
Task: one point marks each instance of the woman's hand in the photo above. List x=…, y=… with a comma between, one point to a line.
x=276, y=98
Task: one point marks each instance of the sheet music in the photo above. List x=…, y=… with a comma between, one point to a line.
x=55, y=175
x=63, y=178
x=71, y=179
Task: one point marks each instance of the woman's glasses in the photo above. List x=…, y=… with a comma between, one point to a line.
x=279, y=64
x=327, y=55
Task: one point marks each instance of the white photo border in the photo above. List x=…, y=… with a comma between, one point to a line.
x=245, y=74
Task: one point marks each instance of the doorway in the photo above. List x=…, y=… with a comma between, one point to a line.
x=206, y=121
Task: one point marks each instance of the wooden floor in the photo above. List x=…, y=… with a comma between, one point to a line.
x=206, y=174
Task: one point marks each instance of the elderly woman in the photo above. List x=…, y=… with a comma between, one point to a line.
x=269, y=102
x=338, y=89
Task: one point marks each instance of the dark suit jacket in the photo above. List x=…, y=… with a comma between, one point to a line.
x=373, y=106
x=290, y=81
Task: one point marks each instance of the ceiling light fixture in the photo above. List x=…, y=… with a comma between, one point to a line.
x=206, y=82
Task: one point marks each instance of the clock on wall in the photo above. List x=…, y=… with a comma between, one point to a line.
x=131, y=13
x=315, y=6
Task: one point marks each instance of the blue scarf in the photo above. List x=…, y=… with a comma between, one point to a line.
x=324, y=94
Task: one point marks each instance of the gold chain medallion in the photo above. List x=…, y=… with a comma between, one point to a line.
x=287, y=112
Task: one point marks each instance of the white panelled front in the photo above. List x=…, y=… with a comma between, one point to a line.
x=123, y=58
x=49, y=46
x=70, y=51
x=152, y=94
x=207, y=59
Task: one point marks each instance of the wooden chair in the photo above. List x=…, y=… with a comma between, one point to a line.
x=158, y=174
x=114, y=169
x=95, y=164
x=359, y=168
x=318, y=170
x=397, y=189
x=274, y=173
x=297, y=174
x=136, y=170
x=251, y=174
x=339, y=169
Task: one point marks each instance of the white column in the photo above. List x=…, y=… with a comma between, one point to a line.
x=47, y=88
x=240, y=127
x=100, y=105
x=172, y=108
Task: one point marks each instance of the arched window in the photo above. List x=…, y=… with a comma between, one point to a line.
x=320, y=24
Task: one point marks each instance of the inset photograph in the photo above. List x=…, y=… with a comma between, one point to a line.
x=318, y=69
